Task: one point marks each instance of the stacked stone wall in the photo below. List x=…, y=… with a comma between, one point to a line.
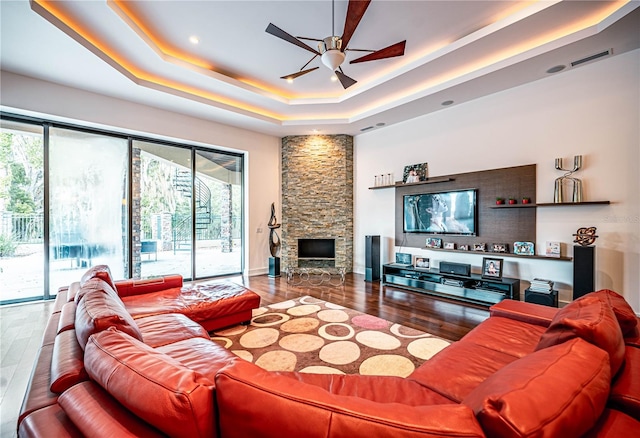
x=317, y=191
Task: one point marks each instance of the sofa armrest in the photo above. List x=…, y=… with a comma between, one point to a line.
x=255, y=402
x=526, y=312
x=126, y=288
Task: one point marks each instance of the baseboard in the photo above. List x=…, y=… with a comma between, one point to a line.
x=258, y=271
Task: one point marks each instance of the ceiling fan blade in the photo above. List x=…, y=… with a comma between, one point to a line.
x=345, y=80
x=277, y=32
x=396, y=49
x=355, y=12
x=298, y=74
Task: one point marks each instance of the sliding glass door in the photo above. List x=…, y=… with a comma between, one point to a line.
x=21, y=212
x=218, y=191
x=164, y=220
x=88, y=198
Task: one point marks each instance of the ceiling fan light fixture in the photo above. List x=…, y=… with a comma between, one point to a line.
x=333, y=59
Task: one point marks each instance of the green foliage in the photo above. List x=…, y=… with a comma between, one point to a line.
x=7, y=246
x=22, y=160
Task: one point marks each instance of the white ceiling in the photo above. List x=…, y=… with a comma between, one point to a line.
x=456, y=50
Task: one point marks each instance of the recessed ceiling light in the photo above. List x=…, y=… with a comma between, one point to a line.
x=290, y=80
x=556, y=69
x=194, y=39
x=447, y=102
x=380, y=124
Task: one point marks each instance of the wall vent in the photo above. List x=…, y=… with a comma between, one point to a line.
x=366, y=129
x=591, y=58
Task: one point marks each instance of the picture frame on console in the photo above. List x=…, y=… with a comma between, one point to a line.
x=463, y=247
x=491, y=267
x=524, y=248
x=449, y=245
x=480, y=247
x=434, y=242
x=421, y=263
x=500, y=247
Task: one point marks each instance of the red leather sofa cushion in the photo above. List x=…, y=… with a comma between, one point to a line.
x=525, y=312
x=624, y=313
x=67, y=317
x=48, y=422
x=254, y=402
x=172, y=398
x=625, y=391
x=38, y=394
x=165, y=329
x=99, y=271
x=458, y=369
x=96, y=413
x=95, y=285
x=201, y=355
x=67, y=362
x=614, y=424
x=126, y=288
x=98, y=311
x=559, y=391
x=591, y=319
x=73, y=290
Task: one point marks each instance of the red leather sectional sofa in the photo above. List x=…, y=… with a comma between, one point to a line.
x=528, y=370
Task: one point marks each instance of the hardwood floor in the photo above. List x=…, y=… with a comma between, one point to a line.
x=447, y=319
x=23, y=325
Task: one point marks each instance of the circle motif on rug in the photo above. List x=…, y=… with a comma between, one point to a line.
x=369, y=322
x=301, y=343
x=427, y=347
x=283, y=305
x=340, y=353
x=300, y=325
x=333, y=306
x=336, y=331
x=387, y=365
x=407, y=332
x=306, y=309
x=223, y=342
x=310, y=300
x=259, y=311
x=231, y=331
x=378, y=340
x=319, y=369
x=243, y=354
x=333, y=315
x=278, y=360
x=259, y=338
x=269, y=319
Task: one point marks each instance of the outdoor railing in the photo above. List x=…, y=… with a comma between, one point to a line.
x=23, y=228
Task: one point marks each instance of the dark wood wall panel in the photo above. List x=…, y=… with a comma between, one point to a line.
x=505, y=225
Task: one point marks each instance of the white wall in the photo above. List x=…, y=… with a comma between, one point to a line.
x=593, y=110
x=25, y=95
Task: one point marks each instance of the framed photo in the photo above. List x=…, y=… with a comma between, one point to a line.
x=434, y=242
x=415, y=173
x=449, y=245
x=552, y=249
x=499, y=247
x=479, y=246
x=492, y=268
x=523, y=248
x=463, y=247
x=422, y=262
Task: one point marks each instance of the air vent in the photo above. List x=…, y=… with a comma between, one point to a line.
x=591, y=58
x=366, y=129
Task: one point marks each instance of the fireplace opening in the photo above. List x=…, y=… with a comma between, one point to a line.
x=316, y=249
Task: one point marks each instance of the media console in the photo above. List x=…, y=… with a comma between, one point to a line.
x=472, y=289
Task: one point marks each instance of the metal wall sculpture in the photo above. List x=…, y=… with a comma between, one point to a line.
x=558, y=196
x=274, y=239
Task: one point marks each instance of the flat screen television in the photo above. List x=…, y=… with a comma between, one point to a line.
x=446, y=212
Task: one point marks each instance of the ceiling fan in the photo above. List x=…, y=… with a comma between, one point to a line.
x=331, y=49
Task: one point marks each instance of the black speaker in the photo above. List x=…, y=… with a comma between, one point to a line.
x=583, y=270
x=550, y=299
x=372, y=258
x=455, y=268
x=274, y=266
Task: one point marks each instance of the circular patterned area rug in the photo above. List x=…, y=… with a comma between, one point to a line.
x=315, y=336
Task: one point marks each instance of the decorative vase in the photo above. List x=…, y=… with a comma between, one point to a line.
x=512, y=201
x=526, y=200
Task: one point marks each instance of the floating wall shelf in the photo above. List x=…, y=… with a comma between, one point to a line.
x=502, y=254
x=427, y=181
x=552, y=204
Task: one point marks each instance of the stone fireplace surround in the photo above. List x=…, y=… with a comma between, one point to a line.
x=317, y=197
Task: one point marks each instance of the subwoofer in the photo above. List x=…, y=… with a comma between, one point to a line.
x=550, y=299
x=455, y=268
x=372, y=258
x=583, y=272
